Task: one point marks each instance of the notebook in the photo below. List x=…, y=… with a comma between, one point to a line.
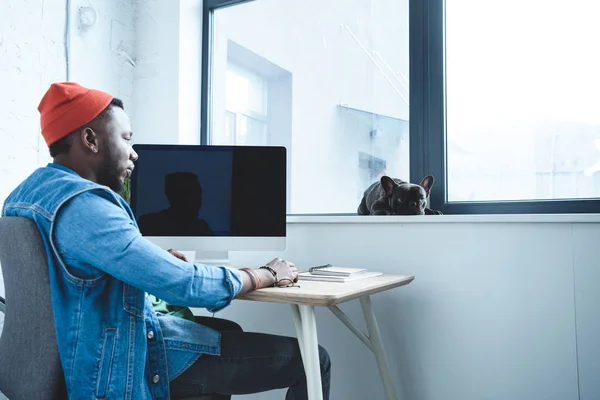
x=307, y=276
x=335, y=271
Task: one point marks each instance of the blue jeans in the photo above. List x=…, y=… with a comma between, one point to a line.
x=249, y=363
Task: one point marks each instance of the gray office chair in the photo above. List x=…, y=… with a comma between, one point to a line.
x=29, y=362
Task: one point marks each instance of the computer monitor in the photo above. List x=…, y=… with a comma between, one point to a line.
x=211, y=199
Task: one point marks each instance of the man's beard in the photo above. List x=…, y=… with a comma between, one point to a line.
x=109, y=175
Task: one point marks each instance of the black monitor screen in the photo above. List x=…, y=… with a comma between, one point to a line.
x=181, y=190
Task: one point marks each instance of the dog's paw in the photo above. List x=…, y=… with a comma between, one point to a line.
x=429, y=211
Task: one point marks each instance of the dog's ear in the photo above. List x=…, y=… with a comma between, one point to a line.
x=388, y=185
x=427, y=183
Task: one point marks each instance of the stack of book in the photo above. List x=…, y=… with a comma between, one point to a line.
x=329, y=273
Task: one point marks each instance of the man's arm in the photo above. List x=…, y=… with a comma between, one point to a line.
x=99, y=234
x=265, y=276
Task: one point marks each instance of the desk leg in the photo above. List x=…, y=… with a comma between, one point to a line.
x=299, y=331
x=306, y=331
x=375, y=336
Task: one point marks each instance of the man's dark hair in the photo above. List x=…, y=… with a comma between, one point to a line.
x=63, y=145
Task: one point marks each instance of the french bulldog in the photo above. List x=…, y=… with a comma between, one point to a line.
x=391, y=196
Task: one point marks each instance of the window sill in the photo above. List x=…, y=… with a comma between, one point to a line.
x=442, y=219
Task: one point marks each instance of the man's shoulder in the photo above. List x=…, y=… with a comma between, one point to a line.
x=49, y=179
x=47, y=189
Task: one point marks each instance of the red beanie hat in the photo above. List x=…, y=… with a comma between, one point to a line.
x=67, y=106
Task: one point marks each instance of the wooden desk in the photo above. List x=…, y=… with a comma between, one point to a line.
x=330, y=294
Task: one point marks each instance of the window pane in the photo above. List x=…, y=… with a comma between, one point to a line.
x=327, y=80
x=523, y=111
x=230, y=128
x=251, y=132
x=245, y=91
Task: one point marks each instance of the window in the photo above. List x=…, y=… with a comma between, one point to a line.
x=327, y=80
x=504, y=110
x=511, y=104
x=245, y=115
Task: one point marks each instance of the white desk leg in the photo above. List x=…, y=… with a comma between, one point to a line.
x=299, y=331
x=306, y=330
x=375, y=336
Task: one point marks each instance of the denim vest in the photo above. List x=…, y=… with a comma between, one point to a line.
x=111, y=342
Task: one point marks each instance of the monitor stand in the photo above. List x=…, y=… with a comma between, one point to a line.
x=212, y=258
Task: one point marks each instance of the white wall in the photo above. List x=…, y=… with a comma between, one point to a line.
x=586, y=263
x=190, y=67
x=167, y=73
x=32, y=56
x=497, y=310
x=102, y=56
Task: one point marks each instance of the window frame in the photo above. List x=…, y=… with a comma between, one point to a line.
x=208, y=9
x=427, y=114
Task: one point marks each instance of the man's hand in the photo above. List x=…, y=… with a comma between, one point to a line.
x=177, y=254
x=287, y=272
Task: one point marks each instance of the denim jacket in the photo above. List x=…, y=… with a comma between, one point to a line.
x=111, y=343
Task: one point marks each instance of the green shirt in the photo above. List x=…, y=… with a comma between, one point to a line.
x=161, y=306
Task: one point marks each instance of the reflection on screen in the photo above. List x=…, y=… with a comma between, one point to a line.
x=184, y=194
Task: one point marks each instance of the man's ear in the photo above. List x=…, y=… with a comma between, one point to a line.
x=89, y=138
x=427, y=183
x=388, y=185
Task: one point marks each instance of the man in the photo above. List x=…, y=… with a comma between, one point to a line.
x=111, y=343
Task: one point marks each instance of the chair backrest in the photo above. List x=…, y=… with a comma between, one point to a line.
x=30, y=366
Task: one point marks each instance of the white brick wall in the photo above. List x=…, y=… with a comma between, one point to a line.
x=99, y=54
x=32, y=56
